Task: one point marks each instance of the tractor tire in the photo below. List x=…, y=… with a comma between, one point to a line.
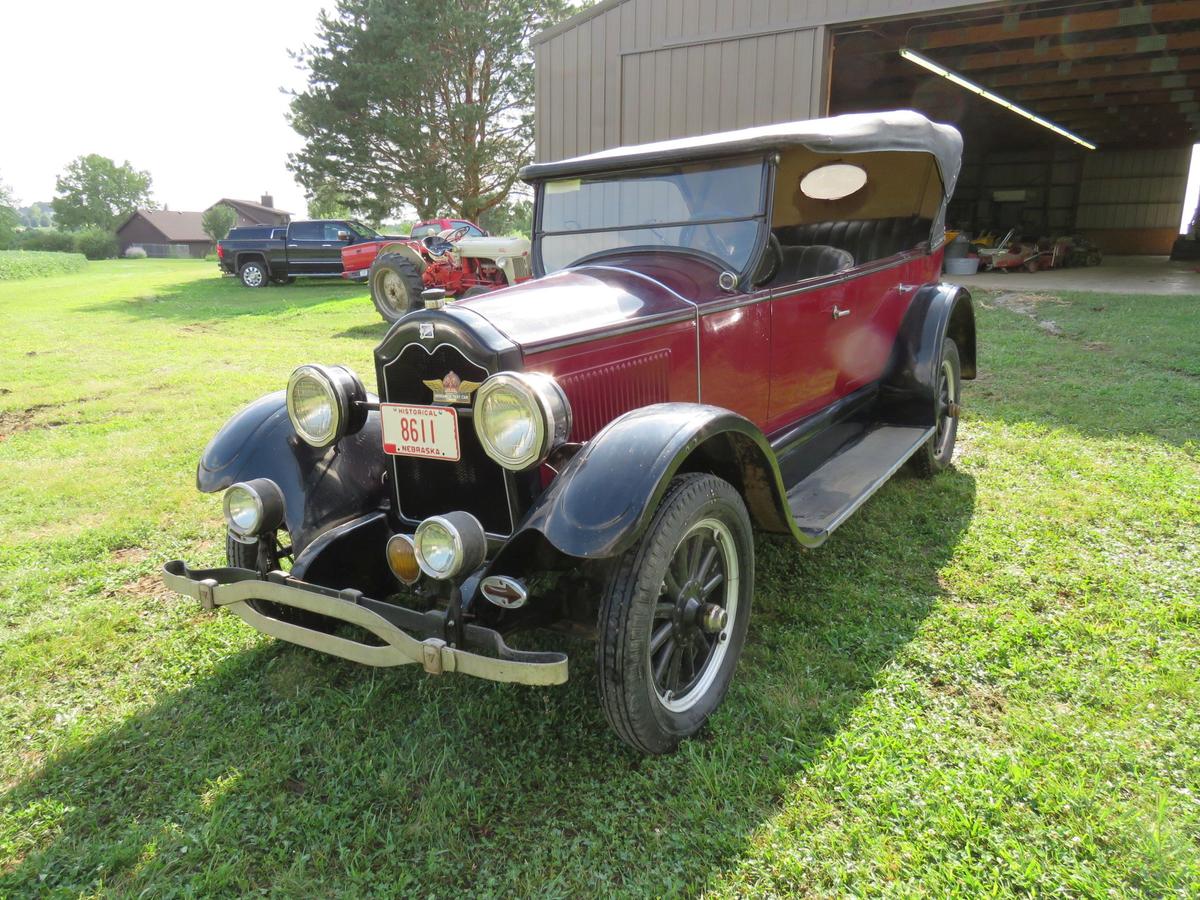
x=396, y=286
x=476, y=291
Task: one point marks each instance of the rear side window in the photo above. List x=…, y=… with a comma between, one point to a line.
x=307, y=231
x=245, y=233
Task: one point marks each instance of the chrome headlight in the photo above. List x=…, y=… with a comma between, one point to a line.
x=253, y=507
x=448, y=545
x=520, y=417
x=325, y=403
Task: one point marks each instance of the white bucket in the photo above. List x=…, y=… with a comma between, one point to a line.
x=967, y=265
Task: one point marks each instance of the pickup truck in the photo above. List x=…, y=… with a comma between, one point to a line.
x=261, y=254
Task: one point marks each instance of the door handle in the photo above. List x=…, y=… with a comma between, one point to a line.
x=840, y=313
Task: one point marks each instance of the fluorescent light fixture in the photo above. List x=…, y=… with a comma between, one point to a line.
x=927, y=63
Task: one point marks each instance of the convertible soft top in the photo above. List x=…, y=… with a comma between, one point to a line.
x=899, y=130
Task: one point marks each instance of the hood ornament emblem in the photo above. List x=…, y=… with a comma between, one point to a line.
x=452, y=389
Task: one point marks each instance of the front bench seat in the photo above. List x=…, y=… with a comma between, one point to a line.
x=864, y=239
x=809, y=262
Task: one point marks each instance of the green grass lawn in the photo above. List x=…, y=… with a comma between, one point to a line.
x=984, y=684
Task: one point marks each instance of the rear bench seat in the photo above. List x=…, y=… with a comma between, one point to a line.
x=863, y=239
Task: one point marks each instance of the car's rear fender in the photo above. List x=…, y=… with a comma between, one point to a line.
x=937, y=311
x=604, y=498
x=321, y=487
x=241, y=257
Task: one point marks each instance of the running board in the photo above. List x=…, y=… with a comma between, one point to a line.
x=827, y=497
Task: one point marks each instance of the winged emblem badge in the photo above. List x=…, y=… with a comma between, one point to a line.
x=452, y=389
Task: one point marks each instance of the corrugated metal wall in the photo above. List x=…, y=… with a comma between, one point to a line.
x=640, y=70
x=1133, y=188
x=1048, y=176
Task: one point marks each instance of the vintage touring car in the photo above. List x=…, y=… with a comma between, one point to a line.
x=736, y=332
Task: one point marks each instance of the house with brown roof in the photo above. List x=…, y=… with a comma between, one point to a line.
x=163, y=232
x=251, y=213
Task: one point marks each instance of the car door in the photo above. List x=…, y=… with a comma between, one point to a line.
x=304, y=247
x=336, y=235
x=807, y=318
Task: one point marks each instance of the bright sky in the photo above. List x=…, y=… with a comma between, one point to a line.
x=189, y=92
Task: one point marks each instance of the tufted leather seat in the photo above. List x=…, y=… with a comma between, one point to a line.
x=864, y=239
x=808, y=262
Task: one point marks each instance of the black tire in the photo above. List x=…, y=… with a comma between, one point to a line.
x=476, y=291
x=245, y=555
x=635, y=676
x=396, y=286
x=935, y=454
x=254, y=274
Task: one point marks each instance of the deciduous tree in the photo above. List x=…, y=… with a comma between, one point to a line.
x=9, y=219
x=93, y=191
x=420, y=103
x=217, y=220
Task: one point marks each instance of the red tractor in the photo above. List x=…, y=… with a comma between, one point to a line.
x=451, y=254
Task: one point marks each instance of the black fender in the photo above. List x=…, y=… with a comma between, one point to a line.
x=937, y=311
x=603, y=499
x=322, y=487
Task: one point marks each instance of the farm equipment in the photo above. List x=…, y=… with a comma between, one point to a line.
x=1013, y=253
x=399, y=270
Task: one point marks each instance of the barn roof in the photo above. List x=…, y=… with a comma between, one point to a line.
x=900, y=130
x=175, y=226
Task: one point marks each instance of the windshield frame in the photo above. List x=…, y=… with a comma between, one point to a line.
x=766, y=162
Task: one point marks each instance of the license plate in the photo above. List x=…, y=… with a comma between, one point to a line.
x=428, y=431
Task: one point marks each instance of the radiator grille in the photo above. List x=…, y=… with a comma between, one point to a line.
x=600, y=394
x=430, y=487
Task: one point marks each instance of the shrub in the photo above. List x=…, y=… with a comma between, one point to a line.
x=15, y=264
x=96, y=243
x=47, y=240
x=135, y=253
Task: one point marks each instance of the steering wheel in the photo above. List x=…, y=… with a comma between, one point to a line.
x=456, y=235
x=771, y=263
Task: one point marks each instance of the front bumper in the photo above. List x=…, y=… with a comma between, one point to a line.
x=232, y=588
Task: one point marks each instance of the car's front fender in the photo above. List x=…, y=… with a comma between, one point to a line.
x=604, y=498
x=321, y=487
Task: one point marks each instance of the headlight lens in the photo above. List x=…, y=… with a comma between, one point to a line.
x=243, y=512
x=448, y=545
x=325, y=403
x=521, y=417
x=313, y=406
x=252, y=507
x=437, y=549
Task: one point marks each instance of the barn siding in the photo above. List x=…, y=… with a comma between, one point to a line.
x=638, y=70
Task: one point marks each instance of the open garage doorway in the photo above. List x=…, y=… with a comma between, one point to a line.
x=1122, y=79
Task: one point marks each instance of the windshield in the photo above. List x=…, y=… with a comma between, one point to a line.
x=420, y=231
x=712, y=208
x=362, y=230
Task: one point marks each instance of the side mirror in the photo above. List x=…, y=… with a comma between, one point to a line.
x=343, y=235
